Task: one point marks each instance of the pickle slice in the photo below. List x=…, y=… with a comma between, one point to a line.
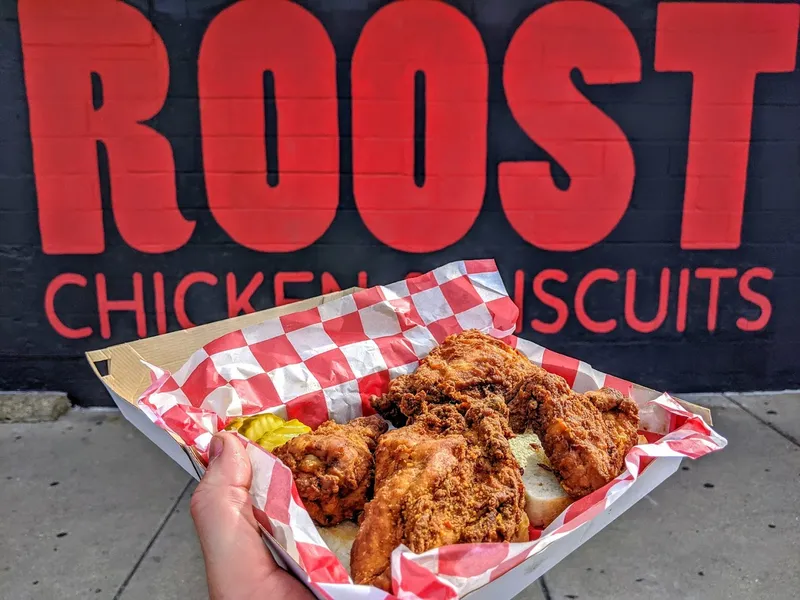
x=281, y=435
x=268, y=431
x=256, y=426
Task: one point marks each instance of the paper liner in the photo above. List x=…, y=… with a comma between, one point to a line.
x=325, y=362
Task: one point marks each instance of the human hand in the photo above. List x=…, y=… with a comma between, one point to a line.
x=238, y=564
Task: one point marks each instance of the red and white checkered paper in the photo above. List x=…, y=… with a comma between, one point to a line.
x=325, y=362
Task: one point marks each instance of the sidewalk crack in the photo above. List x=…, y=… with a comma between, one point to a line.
x=152, y=541
x=788, y=437
x=545, y=589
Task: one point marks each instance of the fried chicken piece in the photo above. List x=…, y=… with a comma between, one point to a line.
x=540, y=386
x=333, y=467
x=585, y=436
x=621, y=415
x=467, y=367
x=446, y=478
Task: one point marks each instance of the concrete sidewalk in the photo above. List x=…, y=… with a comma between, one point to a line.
x=89, y=508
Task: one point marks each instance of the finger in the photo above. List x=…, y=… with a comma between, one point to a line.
x=238, y=565
x=229, y=464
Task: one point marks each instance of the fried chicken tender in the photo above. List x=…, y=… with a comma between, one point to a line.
x=585, y=436
x=333, y=467
x=468, y=367
x=446, y=478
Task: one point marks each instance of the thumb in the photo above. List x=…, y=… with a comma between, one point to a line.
x=222, y=498
x=238, y=564
x=234, y=553
x=228, y=463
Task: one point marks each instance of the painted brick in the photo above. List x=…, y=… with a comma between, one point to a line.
x=654, y=114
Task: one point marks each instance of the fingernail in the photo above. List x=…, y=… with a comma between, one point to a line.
x=215, y=448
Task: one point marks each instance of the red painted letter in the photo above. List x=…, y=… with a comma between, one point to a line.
x=329, y=284
x=180, y=295
x=590, y=147
x=436, y=206
x=580, y=296
x=240, y=303
x=50, y=306
x=683, y=297
x=63, y=44
x=242, y=43
x=282, y=278
x=714, y=276
x=630, y=303
x=554, y=302
x=760, y=300
x=105, y=306
x=160, y=302
x=724, y=46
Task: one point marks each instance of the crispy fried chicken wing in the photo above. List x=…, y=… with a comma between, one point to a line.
x=333, y=467
x=467, y=367
x=585, y=436
x=446, y=478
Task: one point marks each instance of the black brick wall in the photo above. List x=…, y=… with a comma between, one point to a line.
x=654, y=114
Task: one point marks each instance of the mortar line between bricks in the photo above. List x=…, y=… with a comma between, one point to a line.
x=545, y=589
x=152, y=541
x=788, y=437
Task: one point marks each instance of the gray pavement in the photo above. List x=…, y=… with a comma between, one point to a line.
x=89, y=508
x=80, y=502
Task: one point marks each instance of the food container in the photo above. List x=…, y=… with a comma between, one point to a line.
x=323, y=358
